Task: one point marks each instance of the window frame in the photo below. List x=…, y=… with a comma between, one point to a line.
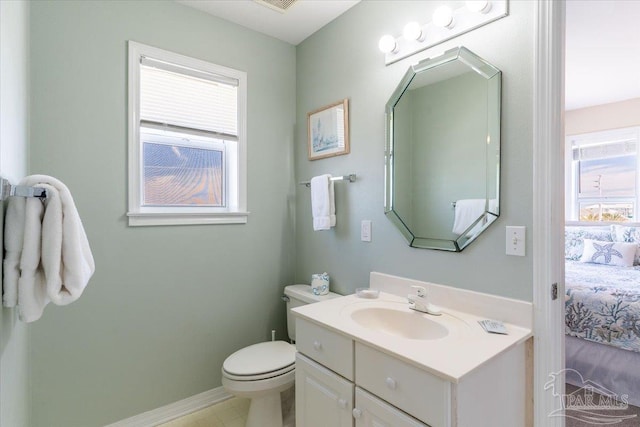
x=572, y=196
x=235, y=162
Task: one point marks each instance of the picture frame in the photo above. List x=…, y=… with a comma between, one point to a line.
x=328, y=131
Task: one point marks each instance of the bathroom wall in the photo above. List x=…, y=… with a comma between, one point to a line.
x=603, y=117
x=342, y=61
x=166, y=304
x=14, y=135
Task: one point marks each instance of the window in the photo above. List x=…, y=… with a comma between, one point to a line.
x=187, y=140
x=602, y=176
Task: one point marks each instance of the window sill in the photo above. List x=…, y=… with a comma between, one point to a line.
x=137, y=219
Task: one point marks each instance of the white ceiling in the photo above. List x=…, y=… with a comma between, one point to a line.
x=302, y=19
x=603, y=52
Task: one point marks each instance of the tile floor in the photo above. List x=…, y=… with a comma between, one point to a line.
x=230, y=413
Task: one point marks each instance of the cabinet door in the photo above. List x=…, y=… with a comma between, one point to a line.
x=323, y=398
x=373, y=412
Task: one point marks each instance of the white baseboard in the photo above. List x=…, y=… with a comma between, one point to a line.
x=175, y=410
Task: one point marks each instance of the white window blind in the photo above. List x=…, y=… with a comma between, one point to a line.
x=182, y=97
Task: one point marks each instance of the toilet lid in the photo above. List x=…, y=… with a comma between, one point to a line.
x=261, y=358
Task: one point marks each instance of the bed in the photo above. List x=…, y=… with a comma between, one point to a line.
x=602, y=314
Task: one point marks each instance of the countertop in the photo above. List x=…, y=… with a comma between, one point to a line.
x=466, y=347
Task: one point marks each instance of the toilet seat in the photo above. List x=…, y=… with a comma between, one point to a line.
x=260, y=361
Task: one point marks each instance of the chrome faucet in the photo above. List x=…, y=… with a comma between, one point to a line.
x=418, y=302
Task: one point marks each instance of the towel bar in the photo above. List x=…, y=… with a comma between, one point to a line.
x=7, y=189
x=351, y=178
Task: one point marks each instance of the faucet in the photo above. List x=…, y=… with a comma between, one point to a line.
x=418, y=302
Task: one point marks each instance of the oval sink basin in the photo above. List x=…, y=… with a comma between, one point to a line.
x=411, y=325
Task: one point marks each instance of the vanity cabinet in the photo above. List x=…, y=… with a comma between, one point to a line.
x=411, y=389
x=326, y=399
x=373, y=412
x=343, y=382
x=323, y=398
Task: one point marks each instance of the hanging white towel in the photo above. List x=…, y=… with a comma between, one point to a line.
x=323, y=206
x=48, y=257
x=467, y=211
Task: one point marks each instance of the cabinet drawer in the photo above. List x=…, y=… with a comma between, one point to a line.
x=405, y=386
x=326, y=347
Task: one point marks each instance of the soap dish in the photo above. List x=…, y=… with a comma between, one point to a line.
x=367, y=293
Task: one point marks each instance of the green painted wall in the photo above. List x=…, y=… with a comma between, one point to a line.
x=14, y=135
x=342, y=61
x=166, y=305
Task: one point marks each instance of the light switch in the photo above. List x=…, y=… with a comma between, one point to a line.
x=365, y=230
x=516, y=240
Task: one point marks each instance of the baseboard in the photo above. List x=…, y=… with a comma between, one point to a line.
x=175, y=410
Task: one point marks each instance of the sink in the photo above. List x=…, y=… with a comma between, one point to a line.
x=400, y=323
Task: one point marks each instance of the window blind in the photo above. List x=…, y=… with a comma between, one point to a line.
x=178, y=96
x=605, y=149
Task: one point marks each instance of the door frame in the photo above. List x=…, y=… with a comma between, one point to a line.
x=548, y=208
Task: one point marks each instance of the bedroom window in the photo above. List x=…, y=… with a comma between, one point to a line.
x=187, y=148
x=602, y=176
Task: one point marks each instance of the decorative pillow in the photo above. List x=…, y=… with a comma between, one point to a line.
x=610, y=253
x=574, y=237
x=623, y=233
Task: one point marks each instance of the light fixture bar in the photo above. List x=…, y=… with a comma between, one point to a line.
x=464, y=20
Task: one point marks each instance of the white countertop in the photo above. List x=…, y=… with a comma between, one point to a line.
x=466, y=347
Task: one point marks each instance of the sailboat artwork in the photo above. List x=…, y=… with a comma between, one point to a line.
x=328, y=129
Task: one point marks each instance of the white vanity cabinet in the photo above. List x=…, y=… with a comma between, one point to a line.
x=322, y=397
x=342, y=382
x=373, y=412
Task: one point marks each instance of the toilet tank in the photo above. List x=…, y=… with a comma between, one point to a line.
x=301, y=295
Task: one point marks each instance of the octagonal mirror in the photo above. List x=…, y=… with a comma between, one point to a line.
x=442, y=157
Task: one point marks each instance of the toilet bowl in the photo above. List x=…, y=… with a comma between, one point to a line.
x=262, y=371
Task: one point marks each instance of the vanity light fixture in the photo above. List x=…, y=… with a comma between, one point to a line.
x=446, y=24
x=387, y=44
x=443, y=17
x=480, y=6
x=412, y=31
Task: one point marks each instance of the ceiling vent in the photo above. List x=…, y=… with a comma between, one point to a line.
x=279, y=5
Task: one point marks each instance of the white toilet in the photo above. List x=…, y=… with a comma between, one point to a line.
x=262, y=371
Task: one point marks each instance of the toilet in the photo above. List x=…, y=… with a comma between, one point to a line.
x=262, y=371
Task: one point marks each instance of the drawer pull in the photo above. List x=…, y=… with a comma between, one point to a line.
x=317, y=345
x=391, y=383
x=342, y=403
x=357, y=413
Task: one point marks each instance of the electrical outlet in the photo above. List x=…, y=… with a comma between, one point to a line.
x=516, y=240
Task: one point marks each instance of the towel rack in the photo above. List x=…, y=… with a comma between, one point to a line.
x=351, y=178
x=7, y=189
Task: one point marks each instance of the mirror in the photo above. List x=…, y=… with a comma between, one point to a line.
x=442, y=157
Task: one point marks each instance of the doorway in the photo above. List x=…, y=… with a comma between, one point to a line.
x=602, y=159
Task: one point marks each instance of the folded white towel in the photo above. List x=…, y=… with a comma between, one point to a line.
x=323, y=206
x=47, y=252
x=13, y=242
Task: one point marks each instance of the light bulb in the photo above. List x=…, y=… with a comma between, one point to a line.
x=412, y=31
x=443, y=17
x=481, y=6
x=387, y=44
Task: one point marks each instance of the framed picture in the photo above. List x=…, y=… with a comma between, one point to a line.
x=328, y=131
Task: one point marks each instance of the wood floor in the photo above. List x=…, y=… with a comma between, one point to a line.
x=629, y=417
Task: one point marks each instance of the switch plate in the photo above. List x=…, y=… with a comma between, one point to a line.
x=365, y=230
x=516, y=240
